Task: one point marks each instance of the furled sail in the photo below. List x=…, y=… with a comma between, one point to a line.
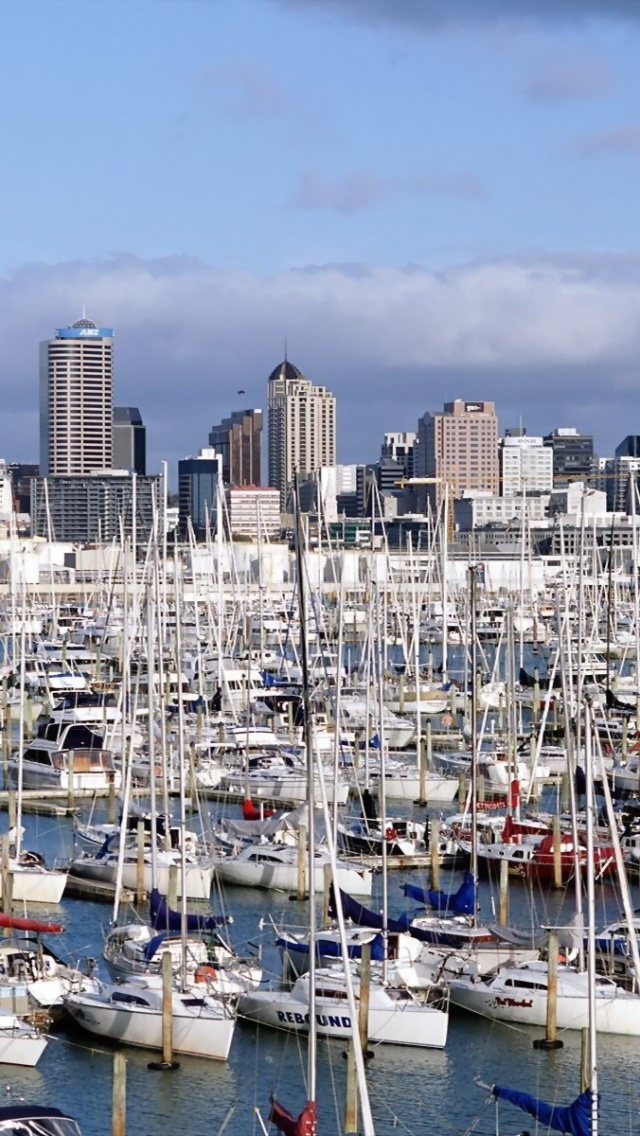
x=573, y=1119
x=363, y=916
x=461, y=902
x=164, y=919
x=305, y=1125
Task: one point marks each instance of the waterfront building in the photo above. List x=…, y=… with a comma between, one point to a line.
x=129, y=440
x=458, y=447
x=198, y=480
x=253, y=511
x=475, y=509
x=238, y=441
x=76, y=400
x=302, y=427
x=95, y=509
x=526, y=464
x=572, y=454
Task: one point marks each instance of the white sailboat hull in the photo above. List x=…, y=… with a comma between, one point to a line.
x=198, y=877
x=19, y=1044
x=284, y=877
x=410, y=1023
x=197, y=1034
x=35, y=884
x=617, y=1012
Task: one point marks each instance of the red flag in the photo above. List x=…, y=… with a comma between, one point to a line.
x=305, y=1125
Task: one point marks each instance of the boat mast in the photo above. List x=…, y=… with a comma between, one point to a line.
x=23, y=659
x=473, y=569
x=308, y=731
x=151, y=726
x=591, y=915
x=177, y=579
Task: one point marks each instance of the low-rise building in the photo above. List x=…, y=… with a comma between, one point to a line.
x=253, y=511
x=97, y=508
x=476, y=509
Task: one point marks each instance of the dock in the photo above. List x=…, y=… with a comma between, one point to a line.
x=100, y=892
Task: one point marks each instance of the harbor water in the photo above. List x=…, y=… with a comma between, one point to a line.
x=419, y=1091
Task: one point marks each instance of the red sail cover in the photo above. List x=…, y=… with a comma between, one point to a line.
x=305, y=1125
x=250, y=812
x=15, y=923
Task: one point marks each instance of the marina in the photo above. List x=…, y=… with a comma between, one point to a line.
x=431, y=964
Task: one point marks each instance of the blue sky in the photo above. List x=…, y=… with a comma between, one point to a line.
x=427, y=198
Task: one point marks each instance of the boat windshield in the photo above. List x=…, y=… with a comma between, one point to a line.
x=37, y=1125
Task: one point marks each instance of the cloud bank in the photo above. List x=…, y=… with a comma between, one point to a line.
x=360, y=189
x=432, y=15
x=563, y=80
x=555, y=338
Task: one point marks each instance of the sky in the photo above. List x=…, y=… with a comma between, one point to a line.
x=426, y=199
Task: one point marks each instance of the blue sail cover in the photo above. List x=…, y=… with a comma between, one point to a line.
x=573, y=1119
x=461, y=902
x=363, y=916
x=164, y=919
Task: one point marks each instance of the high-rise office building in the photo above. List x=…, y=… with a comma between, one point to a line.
x=129, y=440
x=198, y=494
x=76, y=400
x=238, y=441
x=21, y=474
x=302, y=427
x=526, y=465
x=458, y=447
x=400, y=446
x=572, y=454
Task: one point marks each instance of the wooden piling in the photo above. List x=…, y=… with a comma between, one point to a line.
x=503, y=915
x=173, y=887
x=302, y=862
x=140, y=892
x=557, y=853
x=434, y=852
x=167, y=1009
x=71, y=781
x=119, y=1095
x=551, y=1040
x=365, y=992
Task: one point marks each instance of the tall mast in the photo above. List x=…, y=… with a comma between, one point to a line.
x=474, y=736
x=308, y=730
x=591, y=925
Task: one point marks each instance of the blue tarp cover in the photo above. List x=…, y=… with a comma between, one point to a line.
x=573, y=1119
x=461, y=902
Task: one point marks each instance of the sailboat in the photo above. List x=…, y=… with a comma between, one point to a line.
x=202, y=1022
x=581, y=1117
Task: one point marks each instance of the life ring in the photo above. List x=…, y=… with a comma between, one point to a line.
x=206, y=973
x=390, y=833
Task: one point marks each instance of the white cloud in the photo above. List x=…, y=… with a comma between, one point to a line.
x=542, y=335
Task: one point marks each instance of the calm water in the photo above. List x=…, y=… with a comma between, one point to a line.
x=431, y=1093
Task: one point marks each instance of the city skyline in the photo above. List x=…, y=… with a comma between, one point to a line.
x=458, y=223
